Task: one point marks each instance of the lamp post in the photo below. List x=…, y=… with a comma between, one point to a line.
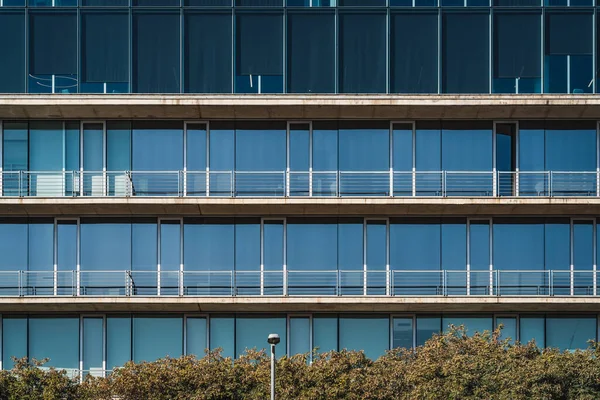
x=273, y=340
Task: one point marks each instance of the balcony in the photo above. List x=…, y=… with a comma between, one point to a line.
x=397, y=283
x=282, y=184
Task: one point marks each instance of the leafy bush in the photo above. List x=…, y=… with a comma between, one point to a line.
x=449, y=366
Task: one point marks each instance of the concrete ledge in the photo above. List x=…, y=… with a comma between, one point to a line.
x=300, y=304
x=290, y=106
x=189, y=206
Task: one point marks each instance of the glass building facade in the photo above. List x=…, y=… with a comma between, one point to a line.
x=146, y=185
x=299, y=46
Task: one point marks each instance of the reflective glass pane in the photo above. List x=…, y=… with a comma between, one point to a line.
x=156, y=48
x=12, y=68
x=252, y=333
x=56, y=339
x=195, y=340
x=14, y=340
x=532, y=328
x=93, y=345
x=207, y=41
x=402, y=333
x=570, y=333
x=299, y=335
x=509, y=328
x=414, y=53
x=465, y=53
x=222, y=335
x=311, y=53
x=118, y=341
x=362, y=55
x=583, y=257
x=426, y=328
x=118, y=148
x=157, y=337
x=370, y=334
x=13, y=246
x=325, y=333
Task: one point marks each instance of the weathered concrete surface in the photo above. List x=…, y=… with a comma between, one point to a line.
x=300, y=304
x=289, y=106
x=190, y=206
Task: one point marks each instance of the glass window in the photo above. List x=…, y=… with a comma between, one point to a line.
x=208, y=41
x=299, y=159
x=479, y=257
x=568, y=56
x=195, y=336
x=105, y=52
x=402, y=332
x=252, y=333
x=15, y=155
x=427, y=326
x=105, y=3
x=93, y=345
x=362, y=57
x=570, y=146
x=46, y=146
x=325, y=333
x=66, y=245
x=454, y=244
x=570, y=333
x=259, y=53
x=583, y=257
x=13, y=245
x=299, y=335
x=207, y=3
x=170, y=256
x=14, y=340
x=118, y=146
x=258, y=3
x=320, y=236
x=509, y=328
x=53, y=52
x=157, y=337
x=370, y=334
x=402, y=158
x=311, y=53
x=118, y=341
x=414, y=52
x=532, y=328
x=156, y=49
x=144, y=256
x=517, y=53
x=41, y=245
x=248, y=255
x=12, y=68
x=519, y=244
x=155, y=3
x=376, y=256
x=221, y=158
x=56, y=339
x=465, y=52
x=325, y=158
x=428, y=157
x=222, y=335
x=466, y=146
x=472, y=324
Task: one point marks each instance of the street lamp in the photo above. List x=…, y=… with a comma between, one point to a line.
x=273, y=340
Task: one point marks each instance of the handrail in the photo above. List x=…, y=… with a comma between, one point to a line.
x=300, y=183
x=398, y=282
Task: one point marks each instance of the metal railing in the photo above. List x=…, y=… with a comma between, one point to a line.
x=299, y=184
x=299, y=283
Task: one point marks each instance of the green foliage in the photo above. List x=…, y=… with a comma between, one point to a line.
x=449, y=366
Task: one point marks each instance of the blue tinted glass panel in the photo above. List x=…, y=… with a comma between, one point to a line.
x=359, y=3
x=15, y=150
x=66, y=245
x=13, y=245
x=558, y=244
x=362, y=55
x=299, y=336
x=325, y=147
x=247, y=249
x=465, y=53
x=570, y=146
x=222, y=158
x=370, y=334
x=364, y=146
x=471, y=324
x=260, y=146
x=414, y=53
x=319, y=237
x=426, y=328
x=105, y=246
x=93, y=145
x=144, y=245
x=519, y=245
x=207, y=3
x=402, y=333
x=273, y=242
x=105, y=52
x=509, y=328
x=14, y=340
x=311, y=53
x=454, y=244
x=41, y=245
x=118, y=146
x=156, y=52
x=196, y=147
x=325, y=333
x=351, y=243
x=570, y=333
x=196, y=340
x=531, y=143
x=12, y=69
x=157, y=337
x=259, y=3
x=532, y=328
x=56, y=339
x=207, y=49
x=583, y=257
x=299, y=148
x=93, y=344
x=415, y=244
x=259, y=53
x=402, y=138
x=170, y=245
x=467, y=147
x=155, y=3
x=428, y=147
x=72, y=146
x=252, y=333
x=46, y=147
x=479, y=257
x=222, y=335
x=376, y=256
x=209, y=245
x=158, y=146
x=105, y=3
x=118, y=341
x=517, y=52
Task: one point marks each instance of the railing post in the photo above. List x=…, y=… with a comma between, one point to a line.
x=387, y=282
x=310, y=182
x=184, y=173
x=414, y=182
x=597, y=182
x=497, y=273
x=233, y=283
x=495, y=183
x=517, y=183
x=180, y=275
x=286, y=180
x=338, y=178
x=391, y=182
x=444, y=183
x=158, y=283
x=207, y=182
x=285, y=281
x=444, y=283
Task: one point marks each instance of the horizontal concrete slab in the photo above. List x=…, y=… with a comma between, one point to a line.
x=290, y=106
x=189, y=206
x=300, y=304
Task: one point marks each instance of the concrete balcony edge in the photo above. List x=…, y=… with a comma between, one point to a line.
x=197, y=206
x=299, y=304
x=292, y=106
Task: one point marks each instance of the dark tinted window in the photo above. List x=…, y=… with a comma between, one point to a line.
x=12, y=48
